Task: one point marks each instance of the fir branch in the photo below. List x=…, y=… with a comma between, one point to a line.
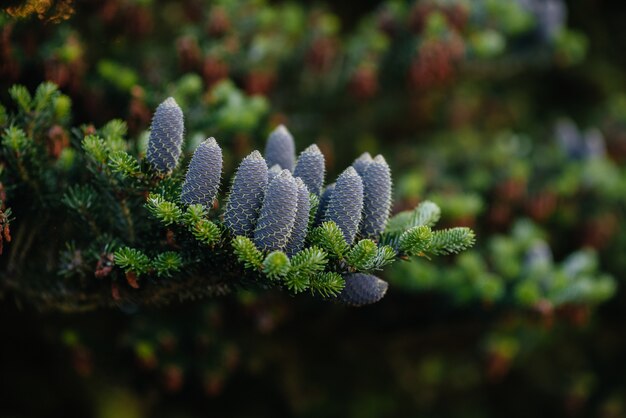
x=304, y=266
x=451, y=241
x=202, y=229
x=15, y=139
x=297, y=282
x=399, y=221
x=194, y=214
x=82, y=199
x=247, y=253
x=128, y=219
x=261, y=215
x=20, y=145
x=384, y=256
x=416, y=241
x=95, y=148
x=22, y=97
x=132, y=260
x=329, y=237
x=206, y=232
x=114, y=130
x=43, y=96
x=167, y=263
x=276, y=265
x=124, y=164
x=309, y=261
x=363, y=255
x=328, y=284
x=426, y=213
x=166, y=212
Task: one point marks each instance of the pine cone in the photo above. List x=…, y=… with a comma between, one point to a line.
x=310, y=168
x=346, y=204
x=362, y=289
x=278, y=213
x=166, y=136
x=273, y=172
x=376, y=197
x=246, y=195
x=298, y=233
x=361, y=163
x=203, y=176
x=280, y=149
x=323, y=205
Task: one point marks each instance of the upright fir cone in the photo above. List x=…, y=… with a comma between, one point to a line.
x=246, y=195
x=278, y=213
x=361, y=163
x=323, y=205
x=362, y=289
x=280, y=149
x=298, y=233
x=376, y=198
x=166, y=136
x=346, y=204
x=273, y=172
x=203, y=175
x=310, y=168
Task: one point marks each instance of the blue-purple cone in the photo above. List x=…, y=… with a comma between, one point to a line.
x=346, y=204
x=376, y=198
x=246, y=195
x=310, y=168
x=323, y=205
x=362, y=289
x=278, y=213
x=166, y=136
x=203, y=175
x=361, y=163
x=280, y=149
x=300, y=225
x=273, y=172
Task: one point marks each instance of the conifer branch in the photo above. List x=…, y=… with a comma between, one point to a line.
x=277, y=228
x=329, y=237
x=451, y=241
x=247, y=253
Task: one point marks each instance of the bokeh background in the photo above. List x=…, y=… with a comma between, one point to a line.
x=509, y=114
